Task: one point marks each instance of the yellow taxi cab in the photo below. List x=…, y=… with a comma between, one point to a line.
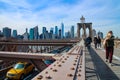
x=20, y=70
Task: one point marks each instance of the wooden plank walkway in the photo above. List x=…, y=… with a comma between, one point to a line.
x=98, y=69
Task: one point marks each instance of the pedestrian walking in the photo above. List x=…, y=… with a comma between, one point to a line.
x=109, y=46
x=95, y=42
x=88, y=41
x=99, y=42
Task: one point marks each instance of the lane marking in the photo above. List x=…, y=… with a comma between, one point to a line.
x=116, y=57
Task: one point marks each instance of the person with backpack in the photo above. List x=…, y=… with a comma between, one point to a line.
x=109, y=46
x=88, y=41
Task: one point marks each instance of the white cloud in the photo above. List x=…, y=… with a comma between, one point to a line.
x=17, y=4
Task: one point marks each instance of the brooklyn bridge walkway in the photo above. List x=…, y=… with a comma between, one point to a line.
x=98, y=69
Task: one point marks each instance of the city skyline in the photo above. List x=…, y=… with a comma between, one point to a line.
x=53, y=33
x=24, y=14
x=33, y=33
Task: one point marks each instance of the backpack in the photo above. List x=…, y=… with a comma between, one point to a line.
x=110, y=42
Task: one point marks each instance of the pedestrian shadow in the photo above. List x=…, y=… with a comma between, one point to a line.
x=115, y=64
x=101, y=70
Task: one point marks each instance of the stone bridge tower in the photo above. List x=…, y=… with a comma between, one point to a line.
x=84, y=26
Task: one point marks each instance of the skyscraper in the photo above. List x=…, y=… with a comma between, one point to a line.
x=44, y=30
x=31, y=37
x=47, y=35
x=6, y=32
x=62, y=30
x=26, y=35
x=51, y=30
x=56, y=30
x=51, y=33
x=14, y=33
x=36, y=33
x=44, y=33
x=59, y=35
x=72, y=32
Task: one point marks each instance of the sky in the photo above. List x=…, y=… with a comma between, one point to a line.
x=22, y=14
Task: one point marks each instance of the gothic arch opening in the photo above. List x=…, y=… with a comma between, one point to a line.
x=87, y=32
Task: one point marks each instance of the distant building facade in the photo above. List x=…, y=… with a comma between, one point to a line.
x=36, y=33
x=51, y=35
x=44, y=33
x=62, y=30
x=31, y=36
x=7, y=32
x=14, y=34
x=26, y=35
x=59, y=35
x=56, y=32
x=72, y=32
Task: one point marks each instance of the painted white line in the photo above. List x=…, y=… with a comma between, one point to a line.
x=113, y=56
x=116, y=57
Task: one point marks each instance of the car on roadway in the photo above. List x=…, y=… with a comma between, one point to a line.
x=20, y=70
x=48, y=62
